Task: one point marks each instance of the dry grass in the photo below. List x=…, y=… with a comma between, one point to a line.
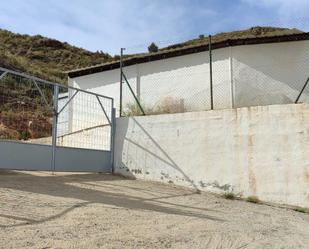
x=165, y=106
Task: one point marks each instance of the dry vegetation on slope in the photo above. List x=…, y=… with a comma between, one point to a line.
x=44, y=57
x=253, y=32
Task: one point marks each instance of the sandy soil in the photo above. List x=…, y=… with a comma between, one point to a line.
x=39, y=210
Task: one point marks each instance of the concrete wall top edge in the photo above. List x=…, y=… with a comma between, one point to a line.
x=196, y=114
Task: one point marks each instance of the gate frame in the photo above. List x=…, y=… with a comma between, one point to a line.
x=56, y=113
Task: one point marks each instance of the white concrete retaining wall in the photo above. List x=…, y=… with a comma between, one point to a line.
x=257, y=151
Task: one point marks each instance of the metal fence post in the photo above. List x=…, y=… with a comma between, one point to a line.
x=210, y=73
x=134, y=96
x=113, y=132
x=232, y=86
x=54, y=127
x=121, y=75
x=301, y=91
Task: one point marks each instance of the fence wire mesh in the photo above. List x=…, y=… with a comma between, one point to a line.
x=264, y=73
x=27, y=110
x=85, y=121
x=166, y=91
x=270, y=74
x=24, y=114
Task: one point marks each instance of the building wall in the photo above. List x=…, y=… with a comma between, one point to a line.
x=184, y=78
x=270, y=73
x=63, y=118
x=242, y=76
x=83, y=123
x=258, y=151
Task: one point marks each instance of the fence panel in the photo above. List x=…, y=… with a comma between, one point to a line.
x=242, y=76
x=25, y=109
x=270, y=74
x=84, y=120
x=65, y=125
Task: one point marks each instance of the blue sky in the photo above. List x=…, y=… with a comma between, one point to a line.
x=110, y=24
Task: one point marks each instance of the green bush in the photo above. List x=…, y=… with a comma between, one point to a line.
x=252, y=199
x=229, y=195
x=301, y=210
x=24, y=135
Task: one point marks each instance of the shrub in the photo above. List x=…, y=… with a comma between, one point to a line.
x=301, y=210
x=252, y=199
x=166, y=105
x=132, y=109
x=24, y=135
x=170, y=105
x=229, y=195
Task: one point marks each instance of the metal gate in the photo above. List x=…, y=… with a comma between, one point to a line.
x=51, y=127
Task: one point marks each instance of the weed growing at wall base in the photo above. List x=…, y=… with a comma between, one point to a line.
x=252, y=199
x=229, y=195
x=301, y=210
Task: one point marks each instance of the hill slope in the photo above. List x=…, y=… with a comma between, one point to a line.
x=253, y=32
x=44, y=57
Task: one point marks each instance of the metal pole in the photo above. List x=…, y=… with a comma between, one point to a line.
x=232, y=79
x=54, y=131
x=301, y=92
x=131, y=90
x=112, y=142
x=210, y=74
x=103, y=109
x=49, y=82
x=3, y=74
x=120, y=97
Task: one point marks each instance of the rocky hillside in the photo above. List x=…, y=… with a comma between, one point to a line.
x=44, y=57
x=23, y=113
x=240, y=34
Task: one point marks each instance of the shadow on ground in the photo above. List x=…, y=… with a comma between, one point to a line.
x=117, y=195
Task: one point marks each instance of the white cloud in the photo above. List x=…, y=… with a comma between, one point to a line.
x=285, y=9
x=101, y=24
x=109, y=24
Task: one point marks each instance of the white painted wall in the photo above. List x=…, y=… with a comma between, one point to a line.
x=249, y=75
x=270, y=73
x=256, y=151
x=181, y=78
x=83, y=123
x=63, y=118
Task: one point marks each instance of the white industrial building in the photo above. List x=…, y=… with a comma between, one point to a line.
x=246, y=72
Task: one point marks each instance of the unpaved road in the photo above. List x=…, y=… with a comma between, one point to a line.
x=39, y=210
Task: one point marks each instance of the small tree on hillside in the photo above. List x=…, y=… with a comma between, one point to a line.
x=152, y=48
x=201, y=36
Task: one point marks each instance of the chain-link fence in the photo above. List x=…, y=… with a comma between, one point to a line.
x=36, y=111
x=240, y=73
x=270, y=74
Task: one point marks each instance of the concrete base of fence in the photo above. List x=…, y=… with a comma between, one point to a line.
x=258, y=151
x=26, y=156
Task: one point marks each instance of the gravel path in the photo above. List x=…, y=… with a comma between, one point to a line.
x=40, y=210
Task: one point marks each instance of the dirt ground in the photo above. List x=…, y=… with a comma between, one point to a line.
x=40, y=210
